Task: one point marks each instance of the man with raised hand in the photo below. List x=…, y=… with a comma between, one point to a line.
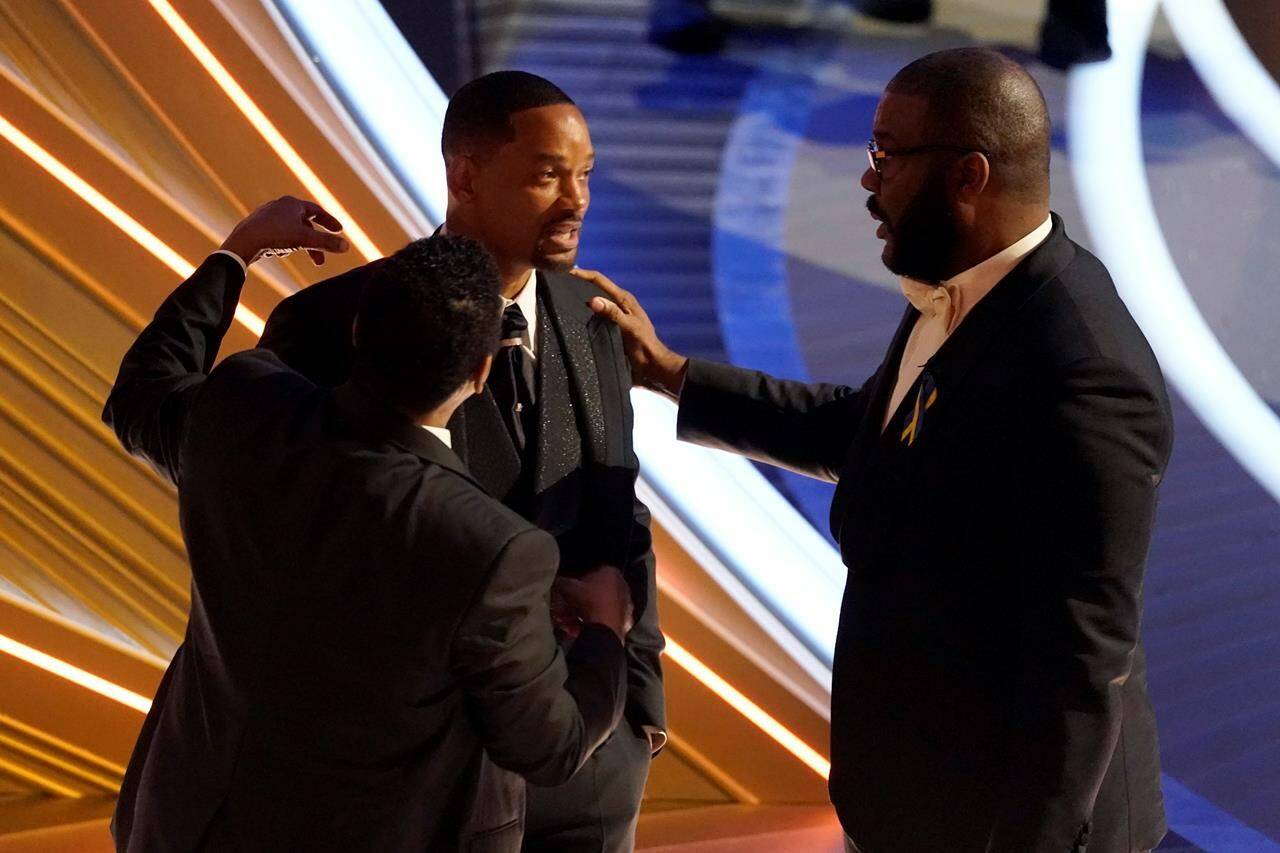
x=370, y=662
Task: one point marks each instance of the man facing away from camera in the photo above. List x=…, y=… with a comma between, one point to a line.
x=997, y=481
x=550, y=432
x=370, y=662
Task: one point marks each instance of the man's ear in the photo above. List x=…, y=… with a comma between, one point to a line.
x=973, y=173
x=460, y=174
x=481, y=374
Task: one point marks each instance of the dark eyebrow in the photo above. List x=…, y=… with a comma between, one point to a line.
x=558, y=158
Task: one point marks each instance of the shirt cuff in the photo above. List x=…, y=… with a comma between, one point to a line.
x=239, y=260
x=657, y=738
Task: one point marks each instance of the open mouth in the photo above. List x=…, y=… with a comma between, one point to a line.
x=882, y=230
x=563, y=237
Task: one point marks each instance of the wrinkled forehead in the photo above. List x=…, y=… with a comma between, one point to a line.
x=901, y=120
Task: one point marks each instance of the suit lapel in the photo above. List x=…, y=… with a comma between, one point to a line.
x=589, y=364
x=558, y=443
x=958, y=355
x=867, y=436
x=869, y=433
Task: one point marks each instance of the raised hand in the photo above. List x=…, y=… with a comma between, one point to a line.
x=653, y=364
x=286, y=225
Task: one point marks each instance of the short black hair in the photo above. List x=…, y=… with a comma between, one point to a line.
x=479, y=113
x=981, y=98
x=426, y=320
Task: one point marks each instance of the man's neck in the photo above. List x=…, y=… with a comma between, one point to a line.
x=513, y=274
x=437, y=418
x=514, y=279
x=989, y=242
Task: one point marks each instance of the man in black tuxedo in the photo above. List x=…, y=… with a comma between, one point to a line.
x=370, y=659
x=551, y=433
x=996, y=492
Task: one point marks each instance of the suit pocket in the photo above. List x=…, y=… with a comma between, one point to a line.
x=502, y=839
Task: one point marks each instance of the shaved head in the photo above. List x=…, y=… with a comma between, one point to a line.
x=980, y=98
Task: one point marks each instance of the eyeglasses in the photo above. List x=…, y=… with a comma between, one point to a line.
x=877, y=155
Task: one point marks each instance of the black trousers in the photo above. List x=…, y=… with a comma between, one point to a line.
x=596, y=810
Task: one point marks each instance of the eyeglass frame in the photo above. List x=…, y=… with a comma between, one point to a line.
x=877, y=155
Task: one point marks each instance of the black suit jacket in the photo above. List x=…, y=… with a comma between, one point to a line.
x=592, y=507
x=989, y=684
x=369, y=659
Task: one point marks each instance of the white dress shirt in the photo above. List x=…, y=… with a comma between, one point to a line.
x=944, y=306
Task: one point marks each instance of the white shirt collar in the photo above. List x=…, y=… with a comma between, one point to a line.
x=986, y=275
x=527, y=299
x=440, y=433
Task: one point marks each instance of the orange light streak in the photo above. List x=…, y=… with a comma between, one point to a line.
x=744, y=706
x=319, y=192
x=740, y=703
x=112, y=212
x=74, y=674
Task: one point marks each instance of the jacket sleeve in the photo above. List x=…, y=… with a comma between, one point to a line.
x=162, y=373
x=1103, y=445
x=806, y=428
x=539, y=712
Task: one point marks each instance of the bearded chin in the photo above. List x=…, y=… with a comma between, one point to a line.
x=923, y=238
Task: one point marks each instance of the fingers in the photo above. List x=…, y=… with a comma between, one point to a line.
x=606, y=309
x=617, y=294
x=315, y=239
x=315, y=213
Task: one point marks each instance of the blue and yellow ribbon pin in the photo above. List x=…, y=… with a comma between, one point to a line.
x=925, y=398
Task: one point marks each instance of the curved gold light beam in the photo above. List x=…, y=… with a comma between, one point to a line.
x=688, y=662
x=758, y=717
x=286, y=152
x=109, y=209
x=74, y=674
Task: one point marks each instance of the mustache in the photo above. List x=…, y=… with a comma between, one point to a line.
x=873, y=207
x=567, y=219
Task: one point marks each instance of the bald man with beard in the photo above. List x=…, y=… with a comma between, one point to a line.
x=997, y=480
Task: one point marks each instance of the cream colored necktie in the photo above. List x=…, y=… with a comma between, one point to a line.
x=937, y=307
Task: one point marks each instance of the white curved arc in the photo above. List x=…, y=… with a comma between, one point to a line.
x=1240, y=85
x=1109, y=170
x=761, y=537
x=393, y=93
